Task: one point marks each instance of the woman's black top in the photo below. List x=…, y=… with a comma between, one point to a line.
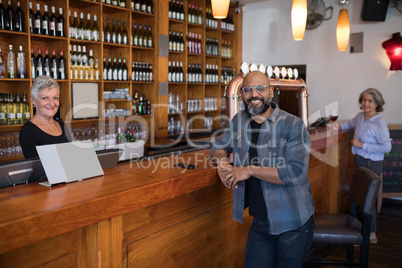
x=31, y=136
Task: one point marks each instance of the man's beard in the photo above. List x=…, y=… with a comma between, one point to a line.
x=257, y=111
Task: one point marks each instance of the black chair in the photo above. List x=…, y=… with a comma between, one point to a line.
x=344, y=229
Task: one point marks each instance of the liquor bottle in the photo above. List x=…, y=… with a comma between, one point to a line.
x=53, y=22
x=10, y=20
x=119, y=70
x=136, y=102
x=150, y=7
x=108, y=34
x=84, y=57
x=3, y=111
x=95, y=30
x=2, y=16
x=2, y=64
x=181, y=42
x=124, y=34
x=199, y=21
x=143, y=6
x=33, y=64
x=137, y=5
x=141, y=106
x=91, y=60
x=62, y=66
x=18, y=109
x=132, y=71
x=46, y=63
x=114, y=70
x=181, y=73
x=122, y=3
x=118, y=33
x=135, y=35
x=88, y=30
x=174, y=41
x=60, y=24
x=150, y=38
x=104, y=69
x=38, y=20
x=53, y=65
x=115, y=2
x=19, y=18
x=39, y=63
x=78, y=55
x=170, y=41
x=11, y=63
x=45, y=22
x=74, y=33
x=113, y=32
x=170, y=9
x=21, y=66
x=96, y=70
x=81, y=28
x=145, y=37
x=110, y=69
x=125, y=70
x=26, y=113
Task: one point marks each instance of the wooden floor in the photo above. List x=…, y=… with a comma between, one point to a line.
x=387, y=253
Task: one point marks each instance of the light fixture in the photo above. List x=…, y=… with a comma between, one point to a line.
x=299, y=19
x=343, y=28
x=393, y=48
x=220, y=8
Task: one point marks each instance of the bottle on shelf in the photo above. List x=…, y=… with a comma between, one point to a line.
x=114, y=70
x=62, y=66
x=104, y=69
x=150, y=38
x=19, y=18
x=108, y=34
x=137, y=5
x=26, y=113
x=2, y=110
x=60, y=24
x=10, y=20
x=122, y=3
x=21, y=65
x=124, y=34
x=2, y=64
x=140, y=36
x=110, y=69
x=54, y=65
x=150, y=7
x=135, y=35
x=11, y=63
x=88, y=29
x=113, y=32
x=2, y=16
x=33, y=64
x=125, y=70
x=95, y=30
x=39, y=63
x=96, y=70
x=74, y=28
x=45, y=21
x=81, y=28
x=53, y=22
x=10, y=107
x=19, y=108
x=38, y=20
x=46, y=63
x=31, y=19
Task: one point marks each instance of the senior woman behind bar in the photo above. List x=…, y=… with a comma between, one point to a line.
x=42, y=129
x=371, y=139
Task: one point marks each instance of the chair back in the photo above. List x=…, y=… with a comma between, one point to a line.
x=364, y=189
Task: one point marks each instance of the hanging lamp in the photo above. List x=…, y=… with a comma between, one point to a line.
x=220, y=8
x=343, y=29
x=299, y=19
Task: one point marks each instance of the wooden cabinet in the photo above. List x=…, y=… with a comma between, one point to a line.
x=160, y=24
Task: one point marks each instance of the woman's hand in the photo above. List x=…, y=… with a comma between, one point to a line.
x=357, y=143
x=335, y=126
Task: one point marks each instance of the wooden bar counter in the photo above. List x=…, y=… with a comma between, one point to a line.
x=149, y=213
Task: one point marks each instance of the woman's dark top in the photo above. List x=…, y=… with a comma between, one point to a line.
x=31, y=136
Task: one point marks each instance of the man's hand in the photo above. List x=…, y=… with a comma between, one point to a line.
x=237, y=174
x=357, y=143
x=224, y=167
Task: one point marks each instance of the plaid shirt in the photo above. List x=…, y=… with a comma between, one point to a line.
x=283, y=143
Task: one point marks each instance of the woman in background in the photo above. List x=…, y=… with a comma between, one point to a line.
x=371, y=139
x=42, y=129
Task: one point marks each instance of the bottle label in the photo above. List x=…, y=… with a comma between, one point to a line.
x=135, y=41
x=125, y=75
x=95, y=35
x=59, y=27
x=44, y=25
x=19, y=115
x=125, y=40
x=97, y=75
x=149, y=43
x=53, y=26
x=140, y=42
x=27, y=115
x=37, y=24
x=2, y=116
x=119, y=39
x=88, y=35
x=137, y=6
x=11, y=116
x=149, y=10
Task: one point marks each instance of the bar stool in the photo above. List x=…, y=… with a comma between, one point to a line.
x=347, y=229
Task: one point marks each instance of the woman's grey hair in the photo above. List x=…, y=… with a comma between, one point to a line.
x=42, y=82
x=377, y=96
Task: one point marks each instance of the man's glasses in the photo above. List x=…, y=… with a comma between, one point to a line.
x=259, y=89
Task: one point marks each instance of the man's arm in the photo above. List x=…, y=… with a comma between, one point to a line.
x=220, y=157
x=269, y=174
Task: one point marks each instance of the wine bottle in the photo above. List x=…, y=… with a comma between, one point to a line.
x=145, y=36
x=19, y=18
x=88, y=30
x=137, y=5
x=135, y=35
x=45, y=22
x=11, y=117
x=84, y=57
x=33, y=64
x=53, y=22
x=95, y=30
x=53, y=65
x=118, y=33
x=108, y=33
x=150, y=7
x=21, y=66
x=150, y=38
x=96, y=70
x=81, y=28
x=19, y=108
x=62, y=66
x=143, y=6
x=11, y=63
x=26, y=113
x=46, y=63
x=75, y=26
x=125, y=34
x=110, y=69
x=60, y=24
x=104, y=69
x=122, y=3
x=2, y=16
x=39, y=63
x=140, y=35
x=119, y=70
x=2, y=64
x=125, y=70
x=10, y=20
x=114, y=69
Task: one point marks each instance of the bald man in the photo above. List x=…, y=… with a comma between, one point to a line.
x=269, y=175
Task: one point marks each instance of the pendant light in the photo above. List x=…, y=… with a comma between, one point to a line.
x=220, y=8
x=299, y=19
x=343, y=29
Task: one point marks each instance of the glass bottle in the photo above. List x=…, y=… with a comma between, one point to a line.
x=38, y=20
x=10, y=20
x=140, y=35
x=125, y=70
x=46, y=63
x=62, y=66
x=33, y=64
x=108, y=34
x=119, y=70
x=125, y=34
x=31, y=19
x=2, y=64
x=45, y=22
x=114, y=69
x=118, y=33
x=150, y=38
x=53, y=65
x=2, y=110
x=3, y=16
x=81, y=28
x=88, y=30
x=135, y=35
x=53, y=22
x=113, y=32
x=60, y=24
x=11, y=63
x=26, y=113
x=19, y=108
x=95, y=30
x=150, y=7
x=19, y=18
x=96, y=70
x=104, y=69
x=21, y=66
x=110, y=69
x=11, y=116
x=145, y=37
x=74, y=33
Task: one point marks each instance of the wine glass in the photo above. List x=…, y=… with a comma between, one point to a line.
x=333, y=115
